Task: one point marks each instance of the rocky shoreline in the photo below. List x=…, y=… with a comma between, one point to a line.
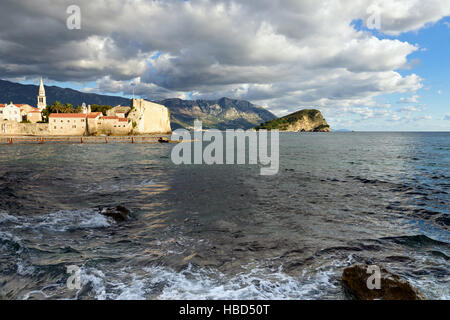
x=359, y=283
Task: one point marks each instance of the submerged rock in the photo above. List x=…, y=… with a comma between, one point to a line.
x=392, y=287
x=119, y=213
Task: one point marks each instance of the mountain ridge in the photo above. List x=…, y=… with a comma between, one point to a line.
x=223, y=113
x=27, y=94
x=220, y=114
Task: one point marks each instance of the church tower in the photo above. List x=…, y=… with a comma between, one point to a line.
x=42, y=100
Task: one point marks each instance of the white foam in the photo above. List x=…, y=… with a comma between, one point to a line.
x=23, y=269
x=67, y=220
x=257, y=284
x=5, y=217
x=167, y=284
x=431, y=289
x=94, y=278
x=8, y=236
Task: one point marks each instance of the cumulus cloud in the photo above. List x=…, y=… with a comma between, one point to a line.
x=413, y=99
x=280, y=54
x=409, y=109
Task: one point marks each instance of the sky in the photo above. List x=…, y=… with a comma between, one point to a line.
x=370, y=65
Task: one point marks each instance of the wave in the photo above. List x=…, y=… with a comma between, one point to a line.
x=415, y=240
x=157, y=282
x=60, y=221
x=5, y=217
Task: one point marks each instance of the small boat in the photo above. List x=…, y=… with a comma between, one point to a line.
x=163, y=140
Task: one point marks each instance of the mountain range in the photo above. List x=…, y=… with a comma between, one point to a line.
x=220, y=114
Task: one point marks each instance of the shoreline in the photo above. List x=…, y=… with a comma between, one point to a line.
x=10, y=140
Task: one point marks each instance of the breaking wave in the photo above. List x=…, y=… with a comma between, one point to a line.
x=59, y=221
x=157, y=282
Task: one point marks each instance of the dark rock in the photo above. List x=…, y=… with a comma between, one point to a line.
x=119, y=213
x=392, y=287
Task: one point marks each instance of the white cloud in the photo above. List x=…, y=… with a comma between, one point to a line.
x=413, y=99
x=427, y=117
x=409, y=109
x=282, y=54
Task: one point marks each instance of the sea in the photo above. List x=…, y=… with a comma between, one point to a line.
x=224, y=231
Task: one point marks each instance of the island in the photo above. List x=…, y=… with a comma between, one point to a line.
x=307, y=120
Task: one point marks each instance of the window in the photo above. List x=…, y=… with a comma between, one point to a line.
x=54, y=120
x=82, y=120
x=54, y=127
x=74, y=127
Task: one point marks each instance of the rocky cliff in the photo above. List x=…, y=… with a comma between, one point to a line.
x=308, y=120
x=220, y=114
x=148, y=117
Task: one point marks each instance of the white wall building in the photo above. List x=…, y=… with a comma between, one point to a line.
x=10, y=112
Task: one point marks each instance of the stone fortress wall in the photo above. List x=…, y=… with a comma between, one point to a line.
x=149, y=117
x=143, y=117
x=23, y=129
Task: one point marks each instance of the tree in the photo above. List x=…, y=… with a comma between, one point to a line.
x=57, y=107
x=103, y=109
x=67, y=108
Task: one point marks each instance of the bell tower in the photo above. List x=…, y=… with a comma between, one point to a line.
x=41, y=99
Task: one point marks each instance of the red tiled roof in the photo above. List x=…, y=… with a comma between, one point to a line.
x=94, y=115
x=110, y=118
x=4, y=105
x=35, y=111
x=123, y=119
x=67, y=115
